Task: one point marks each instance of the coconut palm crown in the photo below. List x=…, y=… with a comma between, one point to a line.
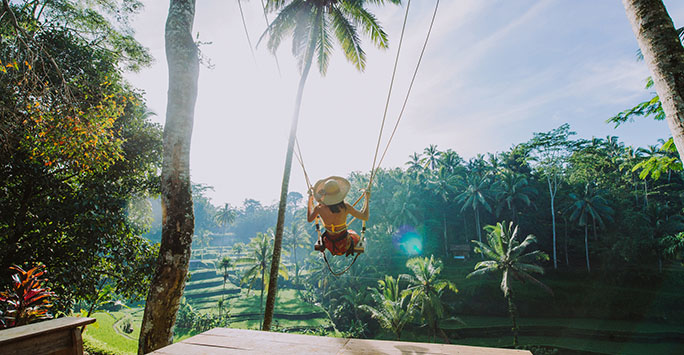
x=508, y=255
x=314, y=23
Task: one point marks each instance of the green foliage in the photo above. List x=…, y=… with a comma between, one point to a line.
x=507, y=255
x=393, y=310
x=426, y=289
x=659, y=161
x=196, y=322
x=28, y=300
x=76, y=147
x=649, y=108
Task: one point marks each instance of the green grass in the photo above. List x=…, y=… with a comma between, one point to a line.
x=102, y=334
x=199, y=291
x=288, y=302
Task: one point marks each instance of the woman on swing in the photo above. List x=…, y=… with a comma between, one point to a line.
x=332, y=208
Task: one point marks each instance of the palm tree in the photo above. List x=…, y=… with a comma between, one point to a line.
x=296, y=237
x=475, y=196
x=166, y=287
x=662, y=223
x=414, y=162
x=431, y=158
x=238, y=248
x=393, y=310
x=404, y=209
x=450, y=160
x=443, y=183
x=511, y=189
x=224, y=264
x=262, y=249
x=426, y=289
x=310, y=23
x=508, y=256
x=593, y=205
x=225, y=216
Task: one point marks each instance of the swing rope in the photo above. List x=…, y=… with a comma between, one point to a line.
x=374, y=167
x=413, y=79
x=389, y=95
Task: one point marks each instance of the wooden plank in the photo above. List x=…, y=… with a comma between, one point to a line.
x=190, y=349
x=286, y=338
x=267, y=345
x=46, y=344
x=224, y=340
x=364, y=346
x=36, y=329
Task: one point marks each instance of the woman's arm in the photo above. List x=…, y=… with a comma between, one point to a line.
x=363, y=214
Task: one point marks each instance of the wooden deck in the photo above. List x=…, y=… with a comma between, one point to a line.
x=228, y=341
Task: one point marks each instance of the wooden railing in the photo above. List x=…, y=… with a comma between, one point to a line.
x=61, y=336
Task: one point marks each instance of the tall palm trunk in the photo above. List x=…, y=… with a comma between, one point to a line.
x=512, y=312
x=664, y=55
x=263, y=285
x=278, y=242
x=479, y=229
x=552, y=192
x=586, y=245
x=294, y=253
x=446, y=241
x=178, y=220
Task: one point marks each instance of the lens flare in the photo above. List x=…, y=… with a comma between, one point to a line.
x=408, y=240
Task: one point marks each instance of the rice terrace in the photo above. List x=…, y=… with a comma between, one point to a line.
x=341, y=177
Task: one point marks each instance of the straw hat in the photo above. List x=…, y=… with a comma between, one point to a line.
x=331, y=190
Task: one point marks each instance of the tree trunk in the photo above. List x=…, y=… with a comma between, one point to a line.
x=277, y=243
x=512, y=311
x=465, y=229
x=552, y=193
x=446, y=241
x=178, y=220
x=664, y=55
x=586, y=245
x=479, y=230
x=263, y=285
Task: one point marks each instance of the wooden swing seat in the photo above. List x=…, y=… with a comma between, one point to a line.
x=358, y=249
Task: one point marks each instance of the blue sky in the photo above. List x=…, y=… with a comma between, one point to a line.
x=494, y=73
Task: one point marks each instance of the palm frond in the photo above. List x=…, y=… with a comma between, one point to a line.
x=486, y=264
x=529, y=268
x=324, y=45
x=348, y=37
x=483, y=248
x=282, y=24
x=367, y=21
x=483, y=271
x=517, y=250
